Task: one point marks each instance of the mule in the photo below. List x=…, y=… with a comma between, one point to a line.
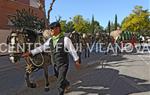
x=27, y=38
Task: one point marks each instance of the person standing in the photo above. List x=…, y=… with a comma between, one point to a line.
x=59, y=46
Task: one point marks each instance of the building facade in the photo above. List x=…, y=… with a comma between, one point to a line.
x=9, y=7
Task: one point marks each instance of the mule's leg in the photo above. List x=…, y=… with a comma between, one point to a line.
x=28, y=82
x=27, y=79
x=79, y=54
x=85, y=52
x=29, y=69
x=55, y=71
x=46, y=78
x=88, y=52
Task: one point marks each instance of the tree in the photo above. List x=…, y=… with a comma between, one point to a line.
x=63, y=25
x=116, y=23
x=26, y=19
x=49, y=11
x=80, y=24
x=70, y=26
x=109, y=30
x=92, y=25
x=95, y=26
x=138, y=21
x=66, y=26
x=113, y=25
x=109, y=27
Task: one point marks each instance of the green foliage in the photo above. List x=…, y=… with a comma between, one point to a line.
x=63, y=25
x=137, y=21
x=127, y=35
x=95, y=26
x=112, y=27
x=66, y=26
x=70, y=26
x=116, y=23
x=78, y=23
x=98, y=27
x=92, y=25
x=109, y=30
x=26, y=19
x=84, y=26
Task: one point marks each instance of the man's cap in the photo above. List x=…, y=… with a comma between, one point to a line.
x=54, y=24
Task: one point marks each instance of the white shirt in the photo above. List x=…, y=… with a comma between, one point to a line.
x=67, y=44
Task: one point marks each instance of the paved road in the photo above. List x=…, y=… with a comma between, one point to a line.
x=123, y=75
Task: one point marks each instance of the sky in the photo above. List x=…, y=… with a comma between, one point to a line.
x=103, y=10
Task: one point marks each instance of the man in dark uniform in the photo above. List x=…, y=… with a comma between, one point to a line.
x=60, y=46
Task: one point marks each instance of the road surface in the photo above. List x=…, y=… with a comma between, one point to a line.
x=125, y=74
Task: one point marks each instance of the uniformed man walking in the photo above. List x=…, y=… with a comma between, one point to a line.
x=60, y=46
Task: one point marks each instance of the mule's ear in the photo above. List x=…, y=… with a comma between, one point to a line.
x=8, y=40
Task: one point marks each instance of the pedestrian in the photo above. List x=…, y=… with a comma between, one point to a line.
x=59, y=46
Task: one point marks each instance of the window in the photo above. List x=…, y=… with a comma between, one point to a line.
x=35, y=3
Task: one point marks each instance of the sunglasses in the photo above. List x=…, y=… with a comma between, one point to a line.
x=51, y=30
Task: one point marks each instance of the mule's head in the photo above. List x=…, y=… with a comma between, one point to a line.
x=20, y=41
x=12, y=41
x=16, y=45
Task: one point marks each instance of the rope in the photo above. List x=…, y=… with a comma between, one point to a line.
x=35, y=63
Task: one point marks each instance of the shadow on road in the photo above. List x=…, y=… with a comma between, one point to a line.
x=106, y=81
x=111, y=58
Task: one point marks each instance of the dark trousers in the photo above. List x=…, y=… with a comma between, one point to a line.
x=60, y=73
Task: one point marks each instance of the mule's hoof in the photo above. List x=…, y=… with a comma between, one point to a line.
x=46, y=89
x=67, y=89
x=32, y=85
